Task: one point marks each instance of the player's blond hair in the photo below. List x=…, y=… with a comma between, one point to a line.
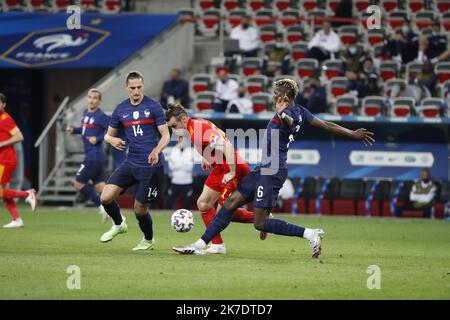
x=289, y=84
x=95, y=90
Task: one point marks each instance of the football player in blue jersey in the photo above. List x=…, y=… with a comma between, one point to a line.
x=94, y=124
x=147, y=134
x=263, y=184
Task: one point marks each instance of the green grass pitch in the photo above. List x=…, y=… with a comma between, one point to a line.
x=413, y=256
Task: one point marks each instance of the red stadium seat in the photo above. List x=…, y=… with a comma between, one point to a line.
x=205, y=4
x=389, y=70
x=261, y=102
x=209, y=24
x=234, y=19
x=255, y=5
x=263, y=17
x=443, y=5
x=389, y=5
x=89, y=5
x=361, y=5
x=298, y=50
x=309, y=5
x=372, y=106
x=267, y=33
x=442, y=71
x=402, y=107
x=332, y=5
x=416, y=5
x=424, y=19
x=396, y=18
x=430, y=107
x=61, y=5
x=345, y=105
x=204, y=101
x=412, y=68
x=306, y=67
x=289, y=18
x=250, y=66
x=256, y=84
x=281, y=5
x=375, y=36
x=338, y=86
x=446, y=21
x=200, y=82
x=230, y=5
x=332, y=68
x=112, y=6
x=295, y=33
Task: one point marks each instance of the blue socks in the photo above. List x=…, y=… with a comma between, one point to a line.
x=146, y=225
x=90, y=193
x=283, y=228
x=220, y=222
x=113, y=211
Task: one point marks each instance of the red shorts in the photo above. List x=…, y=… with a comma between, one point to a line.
x=6, y=173
x=214, y=180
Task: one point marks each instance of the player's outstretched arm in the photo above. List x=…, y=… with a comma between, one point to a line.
x=360, y=134
x=17, y=137
x=163, y=142
x=110, y=137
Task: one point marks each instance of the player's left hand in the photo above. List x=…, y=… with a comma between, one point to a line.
x=228, y=177
x=93, y=140
x=282, y=103
x=365, y=136
x=153, y=157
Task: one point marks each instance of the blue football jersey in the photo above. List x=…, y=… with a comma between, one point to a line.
x=274, y=152
x=140, y=124
x=93, y=124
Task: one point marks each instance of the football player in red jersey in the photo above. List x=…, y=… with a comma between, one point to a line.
x=9, y=135
x=229, y=168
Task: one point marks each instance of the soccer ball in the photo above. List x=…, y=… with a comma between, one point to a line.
x=182, y=220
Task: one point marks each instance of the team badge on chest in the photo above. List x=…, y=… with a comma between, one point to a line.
x=136, y=115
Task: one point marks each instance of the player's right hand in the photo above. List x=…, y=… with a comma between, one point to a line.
x=69, y=130
x=365, y=136
x=118, y=143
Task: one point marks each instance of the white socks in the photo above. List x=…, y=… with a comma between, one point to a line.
x=308, y=234
x=200, y=244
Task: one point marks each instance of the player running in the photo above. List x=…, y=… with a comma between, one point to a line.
x=263, y=184
x=212, y=144
x=147, y=135
x=10, y=134
x=93, y=127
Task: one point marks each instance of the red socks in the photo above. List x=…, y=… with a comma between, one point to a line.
x=243, y=216
x=208, y=217
x=12, y=208
x=11, y=194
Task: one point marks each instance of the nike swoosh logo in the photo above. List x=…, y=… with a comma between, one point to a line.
x=125, y=116
x=259, y=199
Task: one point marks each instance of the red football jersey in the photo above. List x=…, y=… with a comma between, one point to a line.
x=8, y=128
x=204, y=133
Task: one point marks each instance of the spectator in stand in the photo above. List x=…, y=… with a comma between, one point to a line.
x=181, y=166
x=426, y=78
x=279, y=56
x=226, y=90
x=241, y=104
x=434, y=47
x=313, y=97
x=175, y=90
x=248, y=37
x=353, y=57
x=409, y=90
x=403, y=45
x=422, y=196
x=325, y=43
x=366, y=82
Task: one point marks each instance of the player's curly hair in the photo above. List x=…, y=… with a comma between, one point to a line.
x=175, y=110
x=289, y=86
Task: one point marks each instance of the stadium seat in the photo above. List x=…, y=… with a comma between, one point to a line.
x=372, y=106
x=424, y=19
x=39, y=5
x=200, y=82
x=309, y=5
x=299, y=50
x=332, y=68
x=402, y=107
x=14, y=5
x=234, y=19
x=261, y=102
x=345, y=105
x=263, y=17
x=375, y=192
x=442, y=71
x=289, y=18
x=204, y=101
x=203, y=5
x=112, y=6
x=389, y=85
x=350, y=191
x=230, y=5
x=338, y=87
x=255, y=5
x=89, y=6
x=306, y=67
x=430, y=107
x=267, y=33
x=256, y=84
x=446, y=21
x=416, y=5
x=250, y=66
x=412, y=69
x=209, y=24
x=332, y=5
x=375, y=36
x=296, y=33
x=218, y=64
x=389, y=70
x=396, y=18
x=347, y=37
x=61, y=5
x=443, y=5
x=281, y=5
x=360, y=5
x=389, y=5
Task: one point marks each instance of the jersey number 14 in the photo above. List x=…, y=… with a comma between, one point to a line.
x=138, y=130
